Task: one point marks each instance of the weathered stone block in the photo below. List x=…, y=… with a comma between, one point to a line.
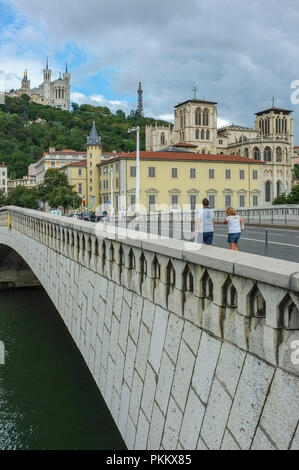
x=158, y=338
x=192, y=421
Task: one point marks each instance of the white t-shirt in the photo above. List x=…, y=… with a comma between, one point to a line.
x=206, y=217
x=234, y=224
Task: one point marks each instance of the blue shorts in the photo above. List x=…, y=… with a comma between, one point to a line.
x=206, y=238
x=234, y=237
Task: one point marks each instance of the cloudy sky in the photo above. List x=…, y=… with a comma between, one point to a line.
x=235, y=52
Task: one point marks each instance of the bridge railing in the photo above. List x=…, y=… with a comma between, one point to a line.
x=247, y=300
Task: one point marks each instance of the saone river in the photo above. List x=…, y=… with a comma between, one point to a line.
x=48, y=398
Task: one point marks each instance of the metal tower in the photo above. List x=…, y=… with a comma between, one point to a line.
x=140, y=101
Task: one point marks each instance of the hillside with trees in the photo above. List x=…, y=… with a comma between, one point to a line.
x=27, y=130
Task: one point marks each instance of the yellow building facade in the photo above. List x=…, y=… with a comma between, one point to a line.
x=76, y=176
x=181, y=181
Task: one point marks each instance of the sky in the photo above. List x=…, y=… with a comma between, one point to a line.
x=237, y=53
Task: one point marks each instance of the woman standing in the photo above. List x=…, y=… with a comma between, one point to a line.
x=234, y=228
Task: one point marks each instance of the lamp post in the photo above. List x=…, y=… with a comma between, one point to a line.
x=137, y=130
x=112, y=189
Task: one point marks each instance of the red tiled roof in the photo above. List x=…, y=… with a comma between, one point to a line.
x=76, y=164
x=65, y=152
x=193, y=156
x=184, y=144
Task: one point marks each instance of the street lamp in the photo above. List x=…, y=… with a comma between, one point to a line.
x=112, y=189
x=137, y=130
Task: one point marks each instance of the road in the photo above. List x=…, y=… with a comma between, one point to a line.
x=282, y=243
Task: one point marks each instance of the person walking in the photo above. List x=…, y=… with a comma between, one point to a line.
x=204, y=227
x=234, y=223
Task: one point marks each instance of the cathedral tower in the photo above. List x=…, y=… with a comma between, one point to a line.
x=25, y=84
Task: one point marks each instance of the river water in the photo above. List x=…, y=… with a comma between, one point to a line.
x=48, y=398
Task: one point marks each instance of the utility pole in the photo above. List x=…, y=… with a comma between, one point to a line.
x=137, y=130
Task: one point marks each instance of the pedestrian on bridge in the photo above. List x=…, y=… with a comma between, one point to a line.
x=234, y=223
x=204, y=227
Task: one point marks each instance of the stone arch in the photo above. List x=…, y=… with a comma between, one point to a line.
x=207, y=287
x=198, y=117
x=132, y=260
x=170, y=274
x=267, y=154
x=229, y=294
x=256, y=153
x=156, y=268
x=188, y=284
x=206, y=114
x=289, y=314
x=268, y=191
x=256, y=303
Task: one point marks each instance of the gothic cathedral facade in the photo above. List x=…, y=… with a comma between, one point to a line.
x=271, y=140
x=55, y=93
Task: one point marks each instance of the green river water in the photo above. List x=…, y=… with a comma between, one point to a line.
x=48, y=398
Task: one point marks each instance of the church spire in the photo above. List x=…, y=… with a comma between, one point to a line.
x=66, y=68
x=47, y=64
x=94, y=138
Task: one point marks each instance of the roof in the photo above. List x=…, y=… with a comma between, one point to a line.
x=235, y=127
x=196, y=101
x=77, y=164
x=185, y=144
x=94, y=138
x=276, y=110
x=184, y=156
x=65, y=152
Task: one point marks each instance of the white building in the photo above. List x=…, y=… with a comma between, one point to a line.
x=3, y=178
x=56, y=160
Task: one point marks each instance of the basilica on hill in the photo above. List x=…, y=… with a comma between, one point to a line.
x=271, y=140
x=55, y=93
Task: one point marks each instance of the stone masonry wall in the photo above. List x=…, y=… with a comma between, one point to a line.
x=172, y=378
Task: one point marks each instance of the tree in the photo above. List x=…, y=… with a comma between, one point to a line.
x=57, y=192
x=23, y=197
x=2, y=198
x=292, y=198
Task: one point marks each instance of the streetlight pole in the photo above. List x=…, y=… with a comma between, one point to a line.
x=137, y=130
x=112, y=189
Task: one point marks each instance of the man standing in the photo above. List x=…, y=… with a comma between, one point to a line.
x=204, y=227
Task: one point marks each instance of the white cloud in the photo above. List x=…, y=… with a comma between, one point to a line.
x=100, y=100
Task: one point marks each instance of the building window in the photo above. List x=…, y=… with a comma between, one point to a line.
x=162, y=138
x=242, y=175
x=255, y=175
x=174, y=172
x=242, y=200
x=132, y=200
x=90, y=155
x=220, y=142
x=202, y=134
x=192, y=173
x=116, y=167
x=174, y=200
x=212, y=199
x=133, y=171
x=90, y=189
x=206, y=117
x=80, y=172
x=278, y=188
x=152, y=172
x=198, y=117
x=228, y=200
x=80, y=188
x=211, y=174
x=90, y=164
x=268, y=191
x=90, y=173
x=208, y=135
x=228, y=174
x=267, y=154
x=255, y=201
x=90, y=180
x=197, y=134
x=193, y=201
x=151, y=202
x=256, y=154
x=53, y=164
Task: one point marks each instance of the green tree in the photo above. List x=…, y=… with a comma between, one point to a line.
x=292, y=198
x=23, y=197
x=2, y=198
x=57, y=192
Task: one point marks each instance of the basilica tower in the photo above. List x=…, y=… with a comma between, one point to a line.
x=47, y=81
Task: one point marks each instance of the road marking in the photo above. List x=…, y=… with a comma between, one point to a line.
x=260, y=241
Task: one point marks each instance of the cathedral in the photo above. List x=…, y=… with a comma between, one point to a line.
x=271, y=140
x=52, y=93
